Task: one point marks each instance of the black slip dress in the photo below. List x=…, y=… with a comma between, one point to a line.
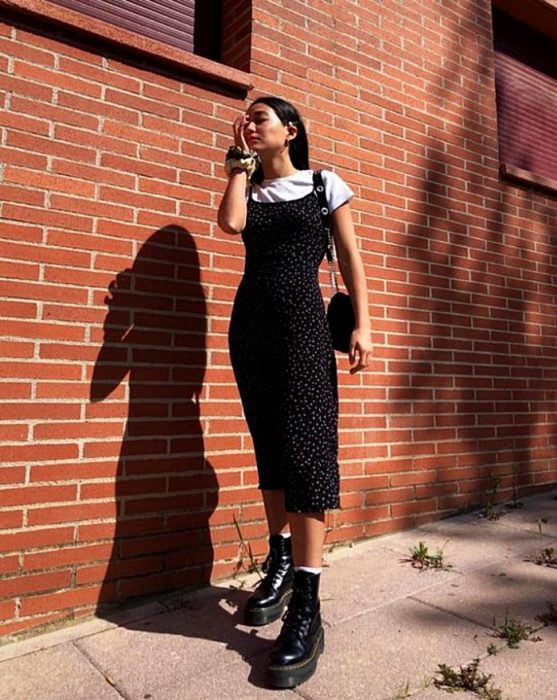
x=282, y=355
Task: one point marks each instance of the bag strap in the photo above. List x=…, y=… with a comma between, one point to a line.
x=319, y=189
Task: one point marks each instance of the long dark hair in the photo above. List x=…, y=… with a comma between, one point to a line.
x=298, y=147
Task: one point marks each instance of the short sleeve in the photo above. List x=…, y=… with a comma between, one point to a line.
x=336, y=190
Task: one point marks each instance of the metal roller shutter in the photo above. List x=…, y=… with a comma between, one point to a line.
x=169, y=21
x=526, y=80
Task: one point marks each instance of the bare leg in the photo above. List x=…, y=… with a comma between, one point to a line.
x=308, y=537
x=301, y=640
x=277, y=519
x=273, y=592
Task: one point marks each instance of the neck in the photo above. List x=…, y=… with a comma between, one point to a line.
x=277, y=166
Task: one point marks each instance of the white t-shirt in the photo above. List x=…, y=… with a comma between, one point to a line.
x=298, y=185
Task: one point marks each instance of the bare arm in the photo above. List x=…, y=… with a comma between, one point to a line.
x=232, y=208
x=353, y=275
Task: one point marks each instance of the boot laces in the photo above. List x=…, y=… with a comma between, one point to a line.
x=298, y=616
x=267, y=563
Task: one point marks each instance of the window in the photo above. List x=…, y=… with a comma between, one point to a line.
x=186, y=24
x=207, y=38
x=526, y=91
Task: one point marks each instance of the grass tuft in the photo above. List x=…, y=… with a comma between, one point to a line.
x=421, y=557
x=467, y=678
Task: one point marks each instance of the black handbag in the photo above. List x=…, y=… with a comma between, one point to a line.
x=340, y=314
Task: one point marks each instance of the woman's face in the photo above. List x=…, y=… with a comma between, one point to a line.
x=263, y=129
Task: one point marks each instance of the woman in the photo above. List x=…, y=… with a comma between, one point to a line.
x=284, y=362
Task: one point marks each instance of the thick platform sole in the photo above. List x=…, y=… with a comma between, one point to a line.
x=264, y=616
x=295, y=674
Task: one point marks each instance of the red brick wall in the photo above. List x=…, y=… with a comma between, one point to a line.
x=236, y=31
x=125, y=457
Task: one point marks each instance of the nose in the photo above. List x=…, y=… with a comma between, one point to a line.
x=249, y=126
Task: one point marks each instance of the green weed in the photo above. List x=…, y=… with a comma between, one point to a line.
x=490, y=512
x=513, y=632
x=422, y=559
x=245, y=555
x=546, y=556
x=467, y=678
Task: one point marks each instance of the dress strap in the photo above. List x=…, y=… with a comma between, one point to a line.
x=319, y=190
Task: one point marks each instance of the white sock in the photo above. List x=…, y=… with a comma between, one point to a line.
x=309, y=569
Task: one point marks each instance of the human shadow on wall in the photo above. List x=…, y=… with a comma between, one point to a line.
x=165, y=489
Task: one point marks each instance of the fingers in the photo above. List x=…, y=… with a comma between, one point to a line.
x=363, y=357
x=238, y=129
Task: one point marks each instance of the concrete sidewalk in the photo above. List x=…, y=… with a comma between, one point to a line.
x=388, y=627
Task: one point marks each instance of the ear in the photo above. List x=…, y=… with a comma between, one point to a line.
x=291, y=131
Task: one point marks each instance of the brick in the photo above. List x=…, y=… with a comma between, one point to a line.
x=88, y=140
x=18, y=251
x=22, y=585
x=72, y=471
x=76, y=277
x=57, y=558
x=16, y=309
x=37, y=494
x=93, y=429
x=37, y=624
x=81, y=104
x=97, y=74
x=114, y=570
x=11, y=519
x=54, y=113
x=12, y=475
x=53, y=389
x=19, y=271
x=34, y=538
x=7, y=610
x=21, y=122
x=56, y=79
x=62, y=600
x=140, y=166
x=48, y=182
x=36, y=370
x=35, y=410
x=30, y=53
x=143, y=526
x=411, y=508
x=138, y=200
x=149, y=135
x=23, y=453
x=30, y=88
x=52, y=147
x=47, y=218
x=15, y=390
x=20, y=232
x=170, y=580
x=72, y=240
x=63, y=514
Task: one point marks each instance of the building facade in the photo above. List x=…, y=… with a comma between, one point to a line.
x=126, y=465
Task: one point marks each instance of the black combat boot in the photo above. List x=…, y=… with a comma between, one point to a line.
x=302, y=638
x=273, y=592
